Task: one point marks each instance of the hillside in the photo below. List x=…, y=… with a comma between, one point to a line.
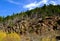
x=34, y=25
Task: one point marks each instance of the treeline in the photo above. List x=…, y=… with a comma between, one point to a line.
x=49, y=10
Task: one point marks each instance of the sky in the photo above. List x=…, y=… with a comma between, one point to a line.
x=8, y=7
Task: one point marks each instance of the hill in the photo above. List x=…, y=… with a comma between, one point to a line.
x=41, y=22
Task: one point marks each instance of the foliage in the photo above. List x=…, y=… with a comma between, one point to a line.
x=48, y=10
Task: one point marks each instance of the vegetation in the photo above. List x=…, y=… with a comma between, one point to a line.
x=9, y=37
x=48, y=10
x=32, y=24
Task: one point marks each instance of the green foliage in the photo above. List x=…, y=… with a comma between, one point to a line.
x=1, y=19
x=11, y=24
x=44, y=11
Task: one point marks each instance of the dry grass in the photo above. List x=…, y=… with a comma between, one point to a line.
x=2, y=35
x=48, y=39
x=16, y=37
x=9, y=37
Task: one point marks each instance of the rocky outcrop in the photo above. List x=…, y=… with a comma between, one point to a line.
x=35, y=25
x=48, y=27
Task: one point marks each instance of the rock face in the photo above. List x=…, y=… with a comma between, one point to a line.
x=35, y=29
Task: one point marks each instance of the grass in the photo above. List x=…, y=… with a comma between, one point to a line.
x=48, y=39
x=16, y=37
x=9, y=37
x=2, y=35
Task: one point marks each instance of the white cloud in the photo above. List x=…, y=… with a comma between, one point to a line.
x=31, y=5
x=37, y=4
x=44, y=1
x=54, y=3
x=11, y=1
x=34, y=4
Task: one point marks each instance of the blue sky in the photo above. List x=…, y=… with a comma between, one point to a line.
x=8, y=7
